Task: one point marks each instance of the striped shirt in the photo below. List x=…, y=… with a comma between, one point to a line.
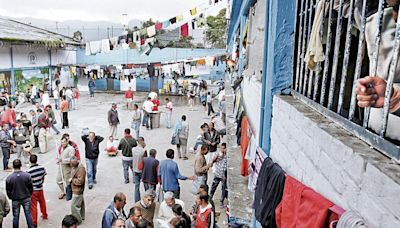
x=37, y=173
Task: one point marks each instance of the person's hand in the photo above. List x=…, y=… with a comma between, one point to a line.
x=69, y=180
x=192, y=178
x=371, y=92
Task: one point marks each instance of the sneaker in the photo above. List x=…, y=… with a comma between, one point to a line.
x=90, y=186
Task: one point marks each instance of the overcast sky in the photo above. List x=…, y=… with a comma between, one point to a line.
x=94, y=10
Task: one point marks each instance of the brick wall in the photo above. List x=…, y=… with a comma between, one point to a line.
x=334, y=163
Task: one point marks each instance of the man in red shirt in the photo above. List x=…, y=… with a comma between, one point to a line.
x=129, y=97
x=156, y=103
x=205, y=214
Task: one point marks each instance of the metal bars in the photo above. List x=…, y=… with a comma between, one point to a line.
x=303, y=51
x=299, y=47
x=307, y=71
x=318, y=73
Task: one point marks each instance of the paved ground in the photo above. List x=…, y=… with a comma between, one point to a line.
x=92, y=113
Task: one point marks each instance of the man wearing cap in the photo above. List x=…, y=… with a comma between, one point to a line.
x=113, y=120
x=147, y=205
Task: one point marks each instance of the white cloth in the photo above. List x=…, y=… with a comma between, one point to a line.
x=315, y=50
x=251, y=150
x=137, y=157
x=169, y=107
x=95, y=47
x=165, y=212
x=69, y=93
x=105, y=46
x=45, y=100
x=148, y=106
x=87, y=48
x=111, y=144
x=151, y=31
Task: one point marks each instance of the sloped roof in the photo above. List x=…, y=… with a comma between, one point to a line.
x=11, y=30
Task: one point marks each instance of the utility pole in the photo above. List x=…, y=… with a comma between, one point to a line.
x=57, y=26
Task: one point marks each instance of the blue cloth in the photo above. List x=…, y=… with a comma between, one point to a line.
x=26, y=206
x=169, y=173
x=136, y=181
x=178, y=126
x=166, y=24
x=109, y=216
x=91, y=168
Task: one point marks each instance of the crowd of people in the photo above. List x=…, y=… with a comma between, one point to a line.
x=159, y=178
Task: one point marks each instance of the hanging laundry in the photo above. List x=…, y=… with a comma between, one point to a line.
x=142, y=41
x=130, y=38
x=185, y=30
x=87, y=48
x=268, y=193
x=201, y=62
x=172, y=20
x=193, y=24
x=143, y=32
x=244, y=143
x=95, y=47
x=151, y=31
x=315, y=50
x=301, y=206
x=209, y=61
x=122, y=39
x=132, y=45
x=251, y=150
x=166, y=24
x=193, y=11
x=136, y=36
x=113, y=43
x=179, y=18
x=201, y=21
x=105, y=46
x=159, y=26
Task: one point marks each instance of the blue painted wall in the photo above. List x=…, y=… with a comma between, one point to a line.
x=277, y=70
x=133, y=56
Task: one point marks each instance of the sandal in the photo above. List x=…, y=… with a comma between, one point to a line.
x=61, y=196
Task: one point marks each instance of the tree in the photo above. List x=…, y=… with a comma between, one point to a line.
x=148, y=23
x=184, y=42
x=77, y=36
x=216, y=30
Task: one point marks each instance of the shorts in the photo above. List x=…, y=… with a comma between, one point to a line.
x=129, y=100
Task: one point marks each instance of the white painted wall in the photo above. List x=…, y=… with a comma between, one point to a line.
x=64, y=57
x=5, y=60
x=342, y=168
x=251, y=89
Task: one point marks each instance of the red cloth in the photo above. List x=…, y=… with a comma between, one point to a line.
x=76, y=93
x=156, y=103
x=159, y=26
x=301, y=207
x=76, y=148
x=142, y=42
x=202, y=218
x=9, y=117
x=129, y=94
x=185, y=30
x=244, y=143
x=38, y=197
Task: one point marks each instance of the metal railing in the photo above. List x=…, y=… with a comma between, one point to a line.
x=331, y=88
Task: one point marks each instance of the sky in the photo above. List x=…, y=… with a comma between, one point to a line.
x=96, y=10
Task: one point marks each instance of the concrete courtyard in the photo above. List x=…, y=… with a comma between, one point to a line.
x=92, y=113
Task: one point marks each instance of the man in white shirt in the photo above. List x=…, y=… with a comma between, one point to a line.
x=147, y=109
x=56, y=96
x=165, y=212
x=33, y=93
x=138, y=153
x=45, y=99
x=69, y=96
x=168, y=112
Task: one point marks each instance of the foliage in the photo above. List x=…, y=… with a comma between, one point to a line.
x=184, y=42
x=148, y=23
x=216, y=30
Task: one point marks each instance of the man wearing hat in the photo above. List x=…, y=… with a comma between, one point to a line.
x=147, y=205
x=113, y=120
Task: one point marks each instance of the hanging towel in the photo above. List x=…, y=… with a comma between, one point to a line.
x=351, y=219
x=179, y=18
x=114, y=42
x=315, y=50
x=166, y=24
x=193, y=11
x=87, y=48
x=172, y=20
x=185, y=30
x=143, y=32
x=159, y=26
x=136, y=36
x=95, y=47
x=151, y=31
x=201, y=62
x=105, y=46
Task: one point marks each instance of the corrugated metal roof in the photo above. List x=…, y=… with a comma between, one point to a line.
x=11, y=30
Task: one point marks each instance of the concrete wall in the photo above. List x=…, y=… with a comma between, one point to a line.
x=133, y=56
x=322, y=155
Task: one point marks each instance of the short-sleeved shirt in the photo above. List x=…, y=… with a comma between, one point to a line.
x=64, y=106
x=129, y=94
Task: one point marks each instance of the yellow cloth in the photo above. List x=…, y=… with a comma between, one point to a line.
x=193, y=11
x=179, y=18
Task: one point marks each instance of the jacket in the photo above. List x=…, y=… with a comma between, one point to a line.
x=213, y=137
x=110, y=216
x=19, y=185
x=20, y=135
x=92, y=149
x=113, y=117
x=200, y=165
x=268, y=192
x=4, y=136
x=126, y=144
x=78, y=179
x=149, y=168
x=4, y=206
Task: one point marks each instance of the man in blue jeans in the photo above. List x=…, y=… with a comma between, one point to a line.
x=138, y=153
x=92, y=142
x=19, y=188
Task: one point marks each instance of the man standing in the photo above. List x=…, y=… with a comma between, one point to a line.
x=64, y=111
x=220, y=174
x=149, y=168
x=33, y=93
x=137, y=116
x=138, y=153
x=205, y=214
x=182, y=130
x=168, y=111
x=56, y=96
x=200, y=165
x=71, y=143
x=169, y=174
x=113, y=120
x=165, y=212
x=5, y=142
x=43, y=124
x=52, y=118
x=35, y=128
x=125, y=145
x=91, y=85
x=135, y=215
x=114, y=211
x=4, y=207
x=64, y=171
x=37, y=173
x=69, y=95
x=147, y=205
x=129, y=97
x=147, y=109
x=77, y=181
x=19, y=189
x=20, y=136
x=92, y=143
